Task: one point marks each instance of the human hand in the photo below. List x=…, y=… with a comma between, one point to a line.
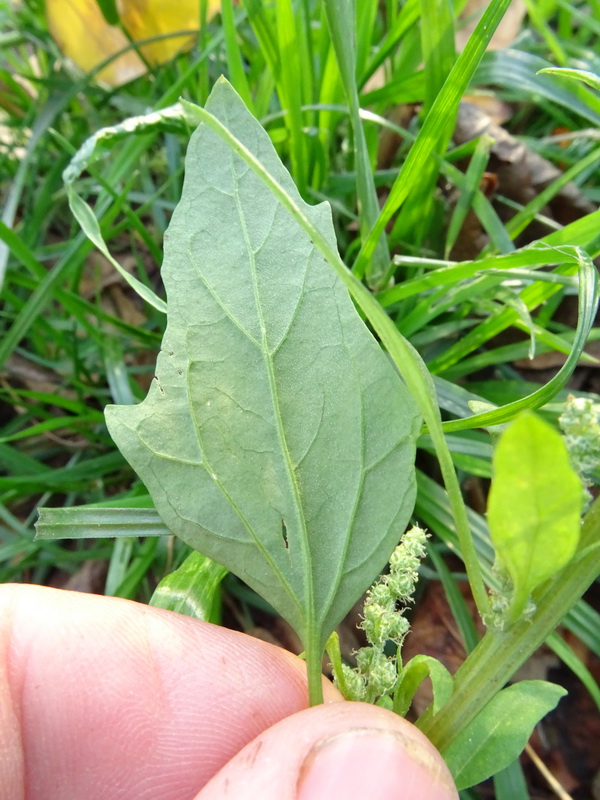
x=105, y=698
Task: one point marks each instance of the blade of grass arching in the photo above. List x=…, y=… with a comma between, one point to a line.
x=235, y=62
x=456, y=601
x=451, y=273
x=584, y=622
x=434, y=304
x=517, y=71
x=98, y=523
x=409, y=363
x=437, y=45
x=532, y=296
x=78, y=248
x=569, y=657
x=587, y=77
x=17, y=463
x=507, y=354
x=588, y=305
x=473, y=177
x=341, y=17
x=428, y=140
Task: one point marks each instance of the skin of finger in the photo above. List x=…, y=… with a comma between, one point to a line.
x=278, y=764
x=101, y=697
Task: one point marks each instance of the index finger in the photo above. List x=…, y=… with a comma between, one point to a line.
x=101, y=697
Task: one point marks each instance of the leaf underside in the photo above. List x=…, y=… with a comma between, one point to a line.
x=277, y=438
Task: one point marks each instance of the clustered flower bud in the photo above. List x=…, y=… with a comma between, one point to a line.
x=383, y=621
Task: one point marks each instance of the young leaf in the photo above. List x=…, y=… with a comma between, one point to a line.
x=277, y=438
x=534, y=505
x=413, y=675
x=500, y=731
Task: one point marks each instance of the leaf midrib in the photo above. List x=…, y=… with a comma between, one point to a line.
x=291, y=475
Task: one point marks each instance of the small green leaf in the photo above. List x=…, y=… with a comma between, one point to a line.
x=413, y=675
x=498, y=734
x=277, y=437
x=192, y=589
x=534, y=506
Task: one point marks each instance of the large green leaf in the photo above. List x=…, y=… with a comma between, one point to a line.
x=277, y=438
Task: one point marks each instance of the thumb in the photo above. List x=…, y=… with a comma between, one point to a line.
x=349, y=750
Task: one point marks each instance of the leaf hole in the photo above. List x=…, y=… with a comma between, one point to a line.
x=284, y=535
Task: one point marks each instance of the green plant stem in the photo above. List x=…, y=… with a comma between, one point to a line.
x=314, y=672
x=499, y=655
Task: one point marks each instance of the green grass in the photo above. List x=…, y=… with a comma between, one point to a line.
x=74, y=336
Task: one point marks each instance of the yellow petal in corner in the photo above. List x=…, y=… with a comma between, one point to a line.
x=87, y=39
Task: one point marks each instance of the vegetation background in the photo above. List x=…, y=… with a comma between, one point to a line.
x=515, y=161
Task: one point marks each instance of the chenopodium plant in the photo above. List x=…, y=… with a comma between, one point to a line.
x=277, y=438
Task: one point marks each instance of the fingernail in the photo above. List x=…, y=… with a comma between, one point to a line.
x=367, y=762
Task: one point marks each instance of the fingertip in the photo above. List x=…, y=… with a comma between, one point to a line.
x=365, y=762
x=349, y=750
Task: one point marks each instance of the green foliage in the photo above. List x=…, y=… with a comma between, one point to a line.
x=276, y=433
x=327, y=107
x=534, y=506
x=500, y=731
